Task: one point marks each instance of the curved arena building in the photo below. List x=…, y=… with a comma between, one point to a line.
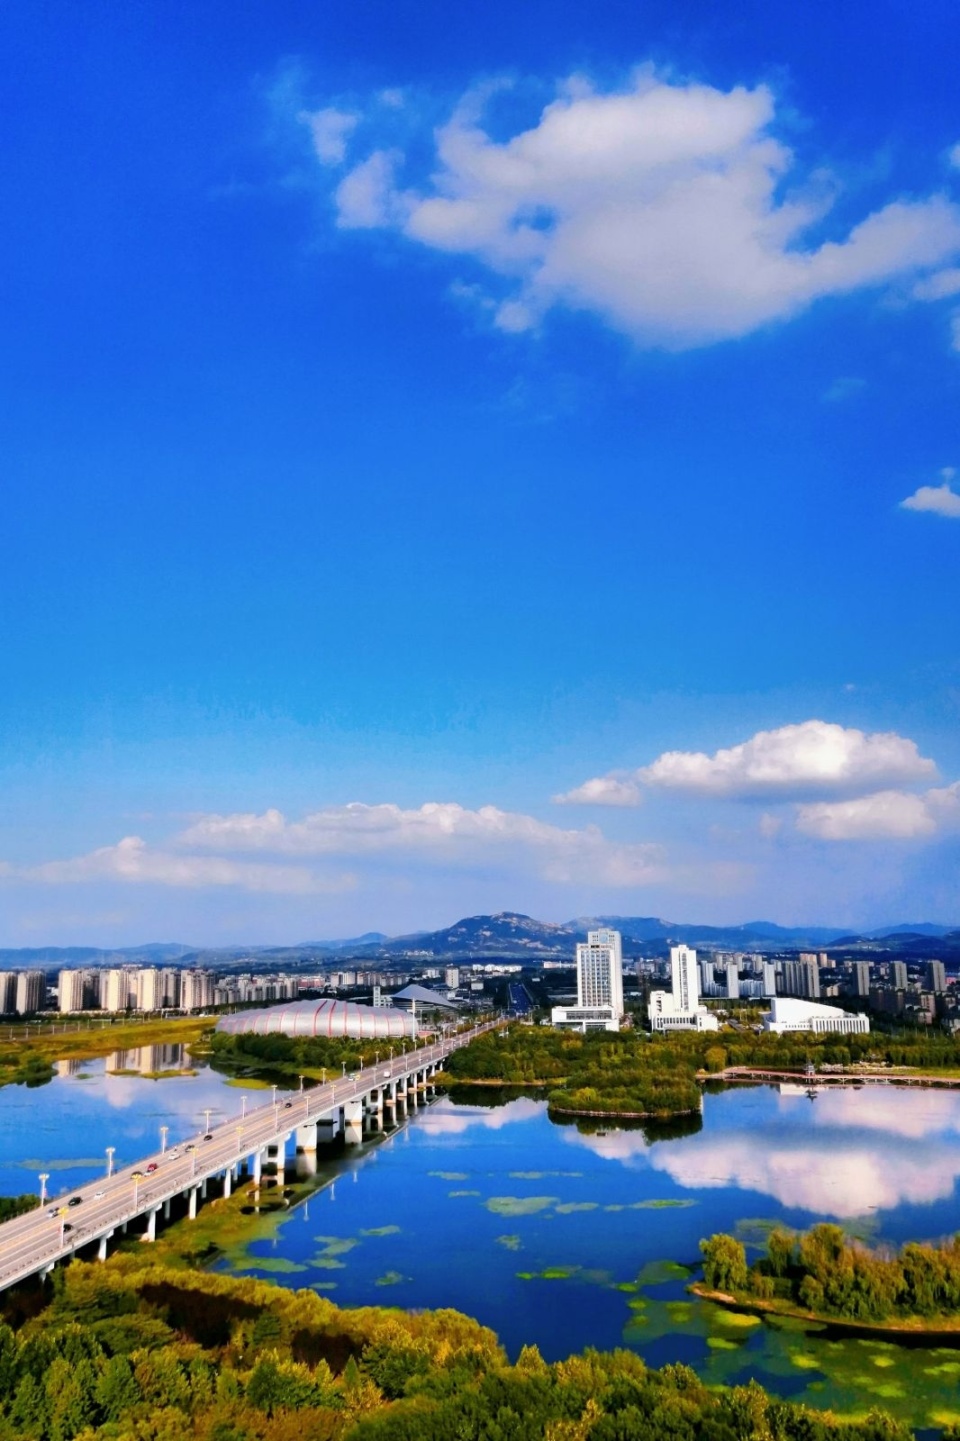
x=323, y=1018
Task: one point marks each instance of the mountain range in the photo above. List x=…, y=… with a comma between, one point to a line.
x=506, y=935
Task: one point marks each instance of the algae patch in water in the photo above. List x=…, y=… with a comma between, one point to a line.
x=568, y=1207
x=664, y=1205
x=391, y=1278
x=381, y=1231
x=336, y=1245
x=463, y=1193
x=658, y=1273
x=449, y=1175
x=519, y=1205
x=511, y=1243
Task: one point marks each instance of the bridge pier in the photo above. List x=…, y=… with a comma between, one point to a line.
x=227, y=1182
x=151, y=1233
x=102, y=1247
x=352, y=1112
x=194, y=1197
x=166, y=1209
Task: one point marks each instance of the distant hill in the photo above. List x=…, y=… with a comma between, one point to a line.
x=506, y=935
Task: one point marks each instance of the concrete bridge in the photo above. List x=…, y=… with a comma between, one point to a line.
x=33, y=1244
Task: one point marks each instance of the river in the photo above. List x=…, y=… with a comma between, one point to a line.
x=568, y=1237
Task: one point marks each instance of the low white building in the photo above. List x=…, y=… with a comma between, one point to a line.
x=787, y=1014
x=585, y=1018
x=664, y=1015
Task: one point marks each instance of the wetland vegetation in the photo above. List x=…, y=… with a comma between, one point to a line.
x=829, y=1275
x=136, y=1351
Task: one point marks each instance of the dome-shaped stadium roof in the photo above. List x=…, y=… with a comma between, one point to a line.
x=322, y=1018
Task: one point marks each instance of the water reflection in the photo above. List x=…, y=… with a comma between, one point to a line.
x=842, y=1154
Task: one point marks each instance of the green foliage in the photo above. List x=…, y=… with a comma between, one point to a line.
x=724, y=1263
x=11, y=1206
x=278, y=1365
x=827, y=1272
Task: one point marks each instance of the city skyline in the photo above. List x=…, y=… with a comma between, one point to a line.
x=464, y=463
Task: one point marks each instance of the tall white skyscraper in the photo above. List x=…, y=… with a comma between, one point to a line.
x=600, y=971
x=683, y=979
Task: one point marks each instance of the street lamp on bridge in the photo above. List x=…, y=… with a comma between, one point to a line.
x=243, y=1107
x=44, y=1178
x=110, y=1151
x=163, y=1139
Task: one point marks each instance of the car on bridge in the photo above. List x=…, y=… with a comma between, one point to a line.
x=152, y=1167
x=75, y=1201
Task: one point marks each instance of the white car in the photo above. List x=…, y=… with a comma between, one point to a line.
x=99, y=1195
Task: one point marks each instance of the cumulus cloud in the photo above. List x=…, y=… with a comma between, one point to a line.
x=885, y=815
x=443, y=831
x=810, y=758
x=132, y=861
x=670, y=210
x=936, y=499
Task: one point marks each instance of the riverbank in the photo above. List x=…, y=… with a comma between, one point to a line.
x=930, y=1331
x=60, y=1042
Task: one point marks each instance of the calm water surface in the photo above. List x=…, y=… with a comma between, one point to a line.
x=567, y=1238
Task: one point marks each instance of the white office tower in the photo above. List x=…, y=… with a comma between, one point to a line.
x=683, y=978
x=599, y=985
x=600, y=971
x=679, y=1008
x=769, y=978
x=451, y=978
x=732, y=980
x=70, y=988
x=31, y=992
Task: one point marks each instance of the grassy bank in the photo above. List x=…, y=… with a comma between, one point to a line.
x=30, y=1059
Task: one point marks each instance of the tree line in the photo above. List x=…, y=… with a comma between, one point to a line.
x=133, y=1351
x=825, y=1271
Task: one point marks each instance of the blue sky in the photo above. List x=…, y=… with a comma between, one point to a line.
x=463, y=458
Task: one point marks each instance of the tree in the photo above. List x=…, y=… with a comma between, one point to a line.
x=724, y=1264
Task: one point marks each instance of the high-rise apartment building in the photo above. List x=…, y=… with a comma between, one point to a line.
x=8, y=992
x=31, y=992
x=600, y=971
x=197, y=990
x=149, y=991
x=936, y=977
x=802, y=977
x=118, y=991
x=70, y=992
x=169, y=988
x=898, y=975
x=861, y=978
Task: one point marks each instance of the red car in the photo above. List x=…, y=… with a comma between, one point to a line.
x=152, y=1167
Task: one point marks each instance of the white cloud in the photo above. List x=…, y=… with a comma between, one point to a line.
x=132, y=861
x=939, y=286
x=954, y=157
x=616, y=789
x=812, y=758
x=366, y=198
x=670, y=210
x=329, y=129
x=937, y=499
x=446, y=833
x=886, y=815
